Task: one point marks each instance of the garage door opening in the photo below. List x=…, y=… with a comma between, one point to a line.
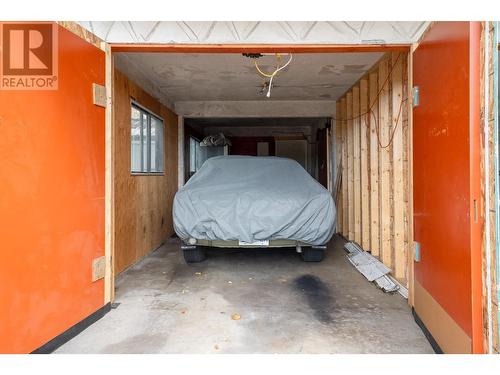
x=306, y=117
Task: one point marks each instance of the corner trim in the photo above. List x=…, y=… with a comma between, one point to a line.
x=426, y=332
x=73, y=331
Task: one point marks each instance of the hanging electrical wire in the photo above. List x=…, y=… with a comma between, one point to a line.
x=273, y=74
x=369, y=114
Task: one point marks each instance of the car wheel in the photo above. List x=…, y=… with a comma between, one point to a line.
x=194, y=255
x=311, y=254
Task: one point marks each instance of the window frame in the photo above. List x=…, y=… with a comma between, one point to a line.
x=149, y=114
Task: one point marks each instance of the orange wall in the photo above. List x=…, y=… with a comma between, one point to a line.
x=51, y=201
x=446, y=172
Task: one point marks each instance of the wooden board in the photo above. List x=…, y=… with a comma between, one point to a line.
x=345, y=168
x=109, y=213
x=409, y=180
x=374, y=168
x=397, y=151
x=338, y=166
x=364, y=160
x=143, y=204
x=357, y=164
x=385, y=165
x=350, y=166
x=489, y=49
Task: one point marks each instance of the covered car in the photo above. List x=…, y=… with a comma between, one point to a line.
x=247, y=201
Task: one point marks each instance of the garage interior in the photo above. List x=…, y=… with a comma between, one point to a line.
x=254, y=301
x=409, y=111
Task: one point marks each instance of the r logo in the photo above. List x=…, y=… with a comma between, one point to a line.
x=29, y=56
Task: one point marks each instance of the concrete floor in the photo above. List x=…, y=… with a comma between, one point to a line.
x=286, y=306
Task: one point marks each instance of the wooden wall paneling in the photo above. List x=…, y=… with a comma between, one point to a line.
x=374, y=167
x=345, y=169
x=364, y=145
x=385, y=123
x=356, y=131
x=397, y=151
x=350, y=156
x=338, y=159
x=143, y=203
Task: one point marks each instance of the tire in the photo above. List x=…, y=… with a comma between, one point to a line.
x=194, y=255
x=311, y=254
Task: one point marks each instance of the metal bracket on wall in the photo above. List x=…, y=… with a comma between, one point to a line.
x=416, y=96
x=417, y=252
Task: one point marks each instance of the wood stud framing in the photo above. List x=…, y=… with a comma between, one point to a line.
x=345, y=172
x=375, y=203
x=350, y=165
x=338, y=160
x=365, y=187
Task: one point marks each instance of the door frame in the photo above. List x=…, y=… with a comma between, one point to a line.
x=110, y=48
x=273, y=48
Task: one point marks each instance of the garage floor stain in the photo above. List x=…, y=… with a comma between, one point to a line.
x=318, y=297
x=284, y=304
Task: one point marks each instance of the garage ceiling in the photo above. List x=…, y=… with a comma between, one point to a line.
x=176, y=77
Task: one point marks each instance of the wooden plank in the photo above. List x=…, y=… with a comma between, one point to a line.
x=345, y=169
x=338, y=166
x=99, y=95
x=86, y=35
x=409, y=150
x=398, y=169
x=357, y=164
x=385, y=123
x=365, y=187
x=98, y=268
x=257, y=48
x=374, y=167
x=109, y=212
x=489, y=254
x=350, y=165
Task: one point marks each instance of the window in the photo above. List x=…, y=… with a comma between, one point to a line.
x=197, y=155
x=147, y=152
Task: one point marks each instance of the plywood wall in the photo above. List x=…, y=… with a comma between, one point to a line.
x=142, y=203
x=372, y=126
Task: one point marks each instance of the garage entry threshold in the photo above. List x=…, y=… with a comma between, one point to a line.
x=250, y=301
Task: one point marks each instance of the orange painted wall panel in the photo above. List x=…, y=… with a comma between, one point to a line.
x=445, y=166
x=51, y=201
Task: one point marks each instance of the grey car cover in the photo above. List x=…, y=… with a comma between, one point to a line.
x=251, y=199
